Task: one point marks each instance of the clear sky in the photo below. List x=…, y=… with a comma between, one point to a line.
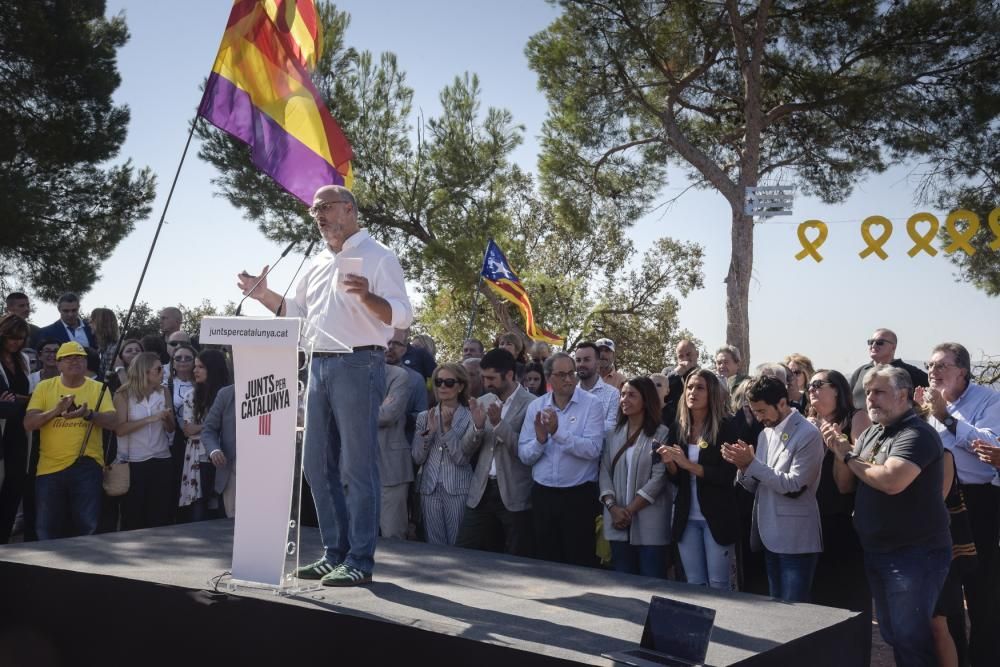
x=825, y=310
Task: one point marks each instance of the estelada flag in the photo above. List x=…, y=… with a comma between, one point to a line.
x=500, y=278
x=260, y=92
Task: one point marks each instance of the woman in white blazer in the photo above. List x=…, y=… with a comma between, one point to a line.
x=634, y=488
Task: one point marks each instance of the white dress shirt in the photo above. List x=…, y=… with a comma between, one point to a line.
x=570, y=455
x=977, y=415
x=609, y=397
x=331, y=314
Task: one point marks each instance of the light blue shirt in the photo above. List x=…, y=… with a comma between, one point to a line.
x=609, y=397
x=570, y=455
x=977, y=416
x=76, y=333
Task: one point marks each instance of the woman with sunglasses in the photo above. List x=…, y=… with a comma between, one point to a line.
x=706, y=518
x=180, y=384
x=14, y=389
x=145, y=426
x=211, y=373
x=634, y=488
x=446, y=472
x=801, y=368
x=840, y=577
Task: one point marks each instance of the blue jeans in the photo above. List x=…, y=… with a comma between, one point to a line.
x=905, y=584
x=790, y=576
x=74, y=492
x=341, y=454
x=649, y=560
x=705, y=561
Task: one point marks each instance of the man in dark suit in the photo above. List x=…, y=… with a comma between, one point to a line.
x=783, y=473
x=498, y=507
x=882, y=350
x=70, y=326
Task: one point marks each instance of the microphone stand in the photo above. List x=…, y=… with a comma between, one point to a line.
x=287, y=250
x=305, y=256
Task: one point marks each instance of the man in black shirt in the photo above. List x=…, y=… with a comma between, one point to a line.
x=882, y=350
x=899, y=513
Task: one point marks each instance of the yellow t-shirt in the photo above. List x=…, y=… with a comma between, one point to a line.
x=61, y=438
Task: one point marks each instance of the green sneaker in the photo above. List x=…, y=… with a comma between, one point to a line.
x=345, y=575
x=316, y=570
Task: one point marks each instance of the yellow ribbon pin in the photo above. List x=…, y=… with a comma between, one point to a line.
x=875, y=244
x=994, y=221
x=811, y=248
x=959, y=239
x=922, y=241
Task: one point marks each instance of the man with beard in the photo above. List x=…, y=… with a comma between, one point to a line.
x=586, y=357
x=498, y=508
x=783, y=473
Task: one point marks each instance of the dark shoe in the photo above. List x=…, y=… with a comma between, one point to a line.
x=345, y=575
x=316, y=570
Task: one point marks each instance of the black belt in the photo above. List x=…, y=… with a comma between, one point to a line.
x=362, y=348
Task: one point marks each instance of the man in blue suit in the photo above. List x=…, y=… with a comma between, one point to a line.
x=70, y=326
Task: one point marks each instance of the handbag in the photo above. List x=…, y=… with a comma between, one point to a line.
x=117, y=479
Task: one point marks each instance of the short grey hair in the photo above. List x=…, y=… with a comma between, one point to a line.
x=774, y=370
x=731, y=350
x=897, y=377
x=341, y=191
x=550, y=362
x=472, y=361
x=962, y=358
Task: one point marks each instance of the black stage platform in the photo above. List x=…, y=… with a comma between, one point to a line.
x=142, y=598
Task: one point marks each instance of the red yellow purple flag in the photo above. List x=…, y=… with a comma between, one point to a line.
x=260, y=92
x=500, y=278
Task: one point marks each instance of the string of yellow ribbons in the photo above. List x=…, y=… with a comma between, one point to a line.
x=921, y=239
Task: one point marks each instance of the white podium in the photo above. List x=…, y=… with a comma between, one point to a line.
x=268, y=461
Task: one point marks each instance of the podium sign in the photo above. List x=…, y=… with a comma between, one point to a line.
x=265, y=368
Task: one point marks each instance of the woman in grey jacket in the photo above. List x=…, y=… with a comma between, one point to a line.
x=437, y=447
x=634, y=488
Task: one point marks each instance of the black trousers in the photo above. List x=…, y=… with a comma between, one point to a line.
x=151, y=497
x=490, y=526
x=15, y=459
x=564, y=520
x=982, y=585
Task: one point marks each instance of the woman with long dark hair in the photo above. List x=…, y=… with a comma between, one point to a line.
x=104, y=324
x=14, y=390
x=437, y=447
x=840, y=579
x=634, y=488
x=145, y=426
x=534, y=378
x=706, y=518
x=211, y=373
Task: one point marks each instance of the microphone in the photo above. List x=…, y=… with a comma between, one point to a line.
x=305, y=256
x=239, y=308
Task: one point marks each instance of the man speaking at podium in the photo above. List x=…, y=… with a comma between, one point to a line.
x=353, y=293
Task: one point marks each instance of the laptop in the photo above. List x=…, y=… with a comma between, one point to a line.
x=676, y=634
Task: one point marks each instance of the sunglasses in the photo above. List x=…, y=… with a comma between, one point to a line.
x=183, y=357
x=446, y=382
x=818, y=384
x=878, y=342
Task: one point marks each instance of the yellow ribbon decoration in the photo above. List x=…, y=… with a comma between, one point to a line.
x=922, y=241
x=960, y=240
x=810, y=248
x=875, y=245
x=995, y=228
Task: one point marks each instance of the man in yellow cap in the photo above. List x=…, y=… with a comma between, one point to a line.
x=68, y=482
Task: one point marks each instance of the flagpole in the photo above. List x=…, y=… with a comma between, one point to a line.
x=475, y=295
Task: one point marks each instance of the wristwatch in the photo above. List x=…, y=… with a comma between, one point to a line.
x=949, y=421
x=609, y=502
x=848, y=456
x=88, y=416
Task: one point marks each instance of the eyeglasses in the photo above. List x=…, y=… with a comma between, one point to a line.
x=818, y=384
x=931, y=365
x=563, y=375
x=396, y=343
x=878, y=342
x=174, y=343
x=325, y=206
x=446, y=382
x=183, y=357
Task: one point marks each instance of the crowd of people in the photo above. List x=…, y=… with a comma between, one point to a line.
x=800, y=483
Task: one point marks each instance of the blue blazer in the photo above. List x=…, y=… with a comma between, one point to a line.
x=56, y=331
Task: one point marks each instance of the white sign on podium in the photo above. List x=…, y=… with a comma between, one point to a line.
x=265, y=368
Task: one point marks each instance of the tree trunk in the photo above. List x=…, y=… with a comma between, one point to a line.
x=738, y=286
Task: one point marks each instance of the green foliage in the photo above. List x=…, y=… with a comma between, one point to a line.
x=146, y=320
x=808, y=92
x=436, y=189
x=62, y=212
